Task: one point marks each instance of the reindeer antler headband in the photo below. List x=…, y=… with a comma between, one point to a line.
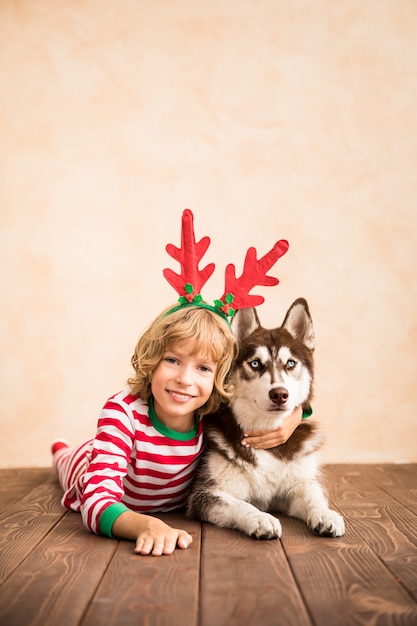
x=236, y=295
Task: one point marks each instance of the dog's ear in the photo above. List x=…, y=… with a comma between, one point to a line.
x=299, y=324
x=244, y=322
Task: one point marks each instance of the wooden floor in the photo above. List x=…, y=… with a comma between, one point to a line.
x=54, y=573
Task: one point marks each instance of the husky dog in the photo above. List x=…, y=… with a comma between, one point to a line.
x=236, y=486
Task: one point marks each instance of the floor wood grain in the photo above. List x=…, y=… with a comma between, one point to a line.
x=52, y=571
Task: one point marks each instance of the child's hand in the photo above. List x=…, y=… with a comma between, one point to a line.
x=158, y=538
x=152, y=535
x=273, y=438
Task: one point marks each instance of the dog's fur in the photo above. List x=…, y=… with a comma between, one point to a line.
x=236, y=486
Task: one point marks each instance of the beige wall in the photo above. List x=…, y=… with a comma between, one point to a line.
x=270, y=120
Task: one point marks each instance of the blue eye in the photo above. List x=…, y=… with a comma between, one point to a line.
x=291, y=364
x=255, y=364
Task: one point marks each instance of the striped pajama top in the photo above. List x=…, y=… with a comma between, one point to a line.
x=135, y=462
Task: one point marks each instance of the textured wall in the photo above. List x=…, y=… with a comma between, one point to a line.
x=269, y=120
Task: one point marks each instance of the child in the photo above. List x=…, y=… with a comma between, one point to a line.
x=150, y=436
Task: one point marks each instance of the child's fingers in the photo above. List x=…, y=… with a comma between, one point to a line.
x=162, y=544
x=184, y=539
x=144, y=545
x=267, y=440
x=170, y=544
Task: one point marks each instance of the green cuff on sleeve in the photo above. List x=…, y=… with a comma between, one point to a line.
x=307, y=411
x=109, y=516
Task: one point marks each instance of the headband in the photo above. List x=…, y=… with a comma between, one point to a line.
x=236, y=295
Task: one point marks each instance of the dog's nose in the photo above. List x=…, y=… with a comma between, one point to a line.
x=279, y=395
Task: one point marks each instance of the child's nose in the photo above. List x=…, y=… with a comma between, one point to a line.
x=185, y=376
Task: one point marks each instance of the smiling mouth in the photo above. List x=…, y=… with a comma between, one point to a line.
x=180, y=396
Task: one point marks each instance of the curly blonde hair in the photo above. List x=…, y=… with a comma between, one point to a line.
x=210, y=334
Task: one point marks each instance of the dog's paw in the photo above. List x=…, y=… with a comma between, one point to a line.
x=327, y=523
x=263, y=526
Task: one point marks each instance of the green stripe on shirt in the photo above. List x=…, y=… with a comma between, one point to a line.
x=109, y=516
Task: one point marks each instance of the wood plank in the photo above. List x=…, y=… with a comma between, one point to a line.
x=247, y=581
x=156, y=591
x=400, y=481
x=16, y=483
x=343, y=580
x=394, y=473
x=381, y=475
x=378, y=520
x=346, y=584
x=55, y=583
x=26, y=523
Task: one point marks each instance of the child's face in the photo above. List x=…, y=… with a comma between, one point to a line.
x=181, y=383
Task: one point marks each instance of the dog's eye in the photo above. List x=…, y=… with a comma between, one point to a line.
x=255, y=364
x=291, y=364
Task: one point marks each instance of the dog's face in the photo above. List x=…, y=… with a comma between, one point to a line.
x=274, y=370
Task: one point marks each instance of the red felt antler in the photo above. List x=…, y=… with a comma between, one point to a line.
x=254, y=274
x=188, y=284
x=191, y=279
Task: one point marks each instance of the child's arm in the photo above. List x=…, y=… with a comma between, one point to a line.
x=102, y=509
x=273, y=438
x=152, y=535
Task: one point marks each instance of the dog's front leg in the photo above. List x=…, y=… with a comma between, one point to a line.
x=229, y=512
x=308, y=502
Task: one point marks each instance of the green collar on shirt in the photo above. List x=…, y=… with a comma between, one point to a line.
x=168, y=432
